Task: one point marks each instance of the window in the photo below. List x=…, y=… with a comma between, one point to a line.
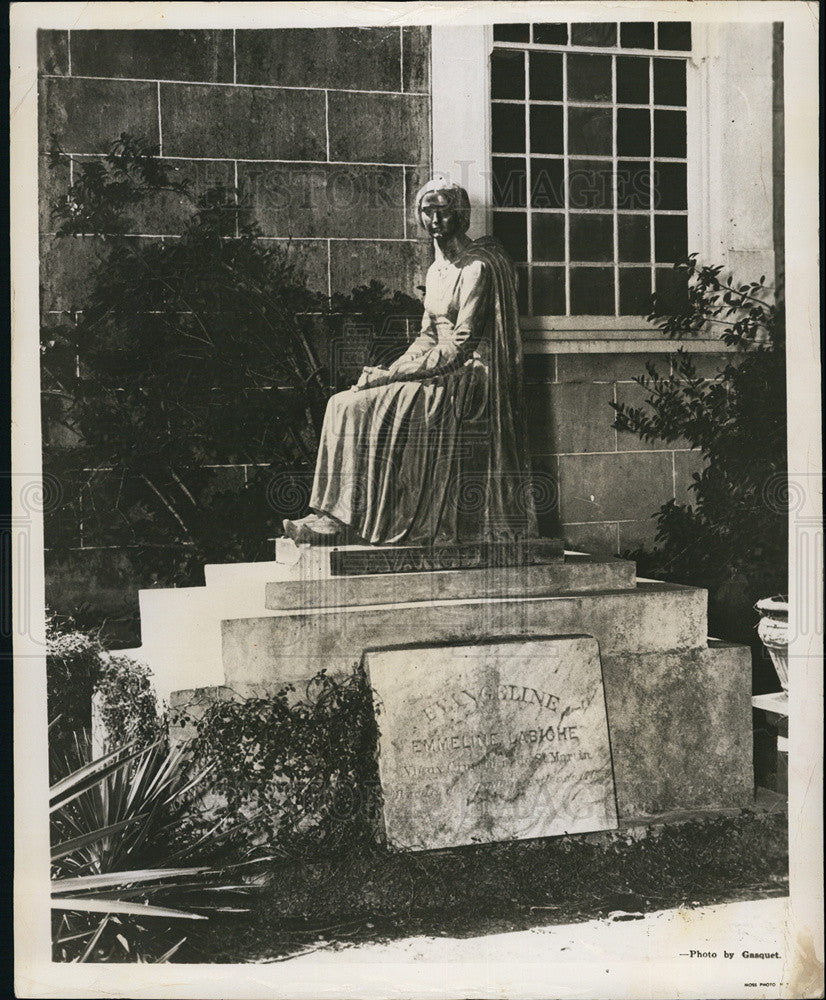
x=589, y=162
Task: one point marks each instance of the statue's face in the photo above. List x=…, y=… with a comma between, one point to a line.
x=439, y=217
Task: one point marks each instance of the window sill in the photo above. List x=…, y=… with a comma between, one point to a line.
x=607, y=335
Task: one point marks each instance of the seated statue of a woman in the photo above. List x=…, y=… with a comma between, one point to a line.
x=433, y=449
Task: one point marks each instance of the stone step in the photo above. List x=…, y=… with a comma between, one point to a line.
x=355, y=560
x=181, y=626
x=295, y=644
x=577, y=573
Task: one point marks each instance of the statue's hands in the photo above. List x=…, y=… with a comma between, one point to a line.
x=371, y=376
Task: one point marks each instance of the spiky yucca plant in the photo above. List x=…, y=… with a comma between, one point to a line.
x=116, y=890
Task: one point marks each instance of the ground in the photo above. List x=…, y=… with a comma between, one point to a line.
x=471, y=892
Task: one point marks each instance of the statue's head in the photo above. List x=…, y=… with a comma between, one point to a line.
x=443, y=208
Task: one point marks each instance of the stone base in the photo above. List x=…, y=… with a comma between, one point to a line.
x=680, y=728
x=293, y=645
x=181, y=627
x=679, y=711
x=679, y=725
x=574, y=574
x=354, y=560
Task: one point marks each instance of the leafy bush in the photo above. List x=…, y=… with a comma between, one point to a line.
x=74, y=661
x=79, y=668
x=199, y=372
x=733, y=538
x=301, y=772
x=127, y=704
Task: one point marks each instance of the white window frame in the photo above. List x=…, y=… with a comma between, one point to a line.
x=729, y=126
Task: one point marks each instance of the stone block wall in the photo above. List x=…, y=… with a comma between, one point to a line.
x=325, y=132
x=597, y=486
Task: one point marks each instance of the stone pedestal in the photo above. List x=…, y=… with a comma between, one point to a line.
x=678, y=704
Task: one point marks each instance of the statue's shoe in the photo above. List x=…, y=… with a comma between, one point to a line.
x=316, y=529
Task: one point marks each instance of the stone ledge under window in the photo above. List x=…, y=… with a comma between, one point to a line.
x=592, y=335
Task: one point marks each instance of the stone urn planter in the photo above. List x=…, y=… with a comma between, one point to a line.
x=773, y=630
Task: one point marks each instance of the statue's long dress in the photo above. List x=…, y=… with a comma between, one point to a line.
x=440, y=453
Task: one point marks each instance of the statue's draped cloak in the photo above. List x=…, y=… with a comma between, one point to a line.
x=440, y=453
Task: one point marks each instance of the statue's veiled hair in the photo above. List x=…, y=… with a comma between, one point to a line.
x=457, y=199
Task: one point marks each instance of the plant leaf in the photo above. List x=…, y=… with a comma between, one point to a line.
x=81, y=905
x=84, y=882
x=82, y=773
x=77, y=843
x=91, y=946
x=168, y=954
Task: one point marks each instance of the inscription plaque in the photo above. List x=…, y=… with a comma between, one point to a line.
x=496, y=741
x=354, y=561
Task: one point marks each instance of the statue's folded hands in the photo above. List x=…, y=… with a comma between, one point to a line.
x=371, y=376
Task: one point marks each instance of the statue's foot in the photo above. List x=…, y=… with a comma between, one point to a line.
x=316, y=529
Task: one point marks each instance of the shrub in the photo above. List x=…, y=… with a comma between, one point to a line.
x=301, y=772
x=193, y=353
x=74, y=661
x=127, y=704
x=733, y=538
x=199, y=371
x=79, y=668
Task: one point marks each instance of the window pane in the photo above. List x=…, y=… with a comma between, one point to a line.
x=546, y=76
x=548, y=291
x=670, y=186
x=508, y=128
x=548, y=236
x=637, y=35
x=546, y=128
x=522, y=289
x=670, y=238
x=602, y=33
x=589, y=131
x=590, y=184
x=509, y=182
x=511, y=32
x=587, y=244
x=672, y=290
x=633, y=132
x=635, y=291
x=547, y=183
x=592, y=291
x=669, y=133
x=507, y=74
x=592, y=237
x=633, y=185
x=550, y=34
x=669, y=81
x=512, y=229
x=634, y=235
x=632, y=80
x=589, y=77
x=674, y=35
